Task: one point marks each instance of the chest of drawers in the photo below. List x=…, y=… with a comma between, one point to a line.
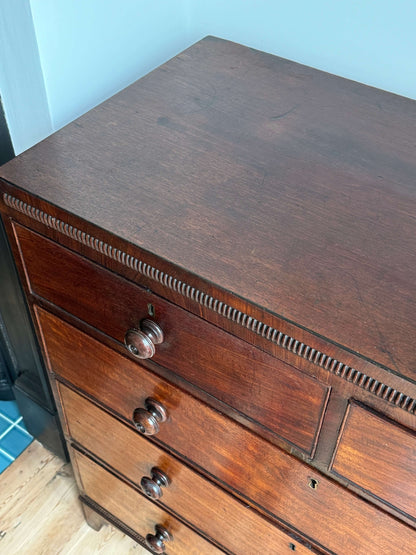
x=220, y=264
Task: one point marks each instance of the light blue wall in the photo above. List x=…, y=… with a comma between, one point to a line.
x=76, y=53
x=90, y=49
x=370, y=41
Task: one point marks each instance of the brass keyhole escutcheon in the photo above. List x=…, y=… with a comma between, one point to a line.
x=313, y=484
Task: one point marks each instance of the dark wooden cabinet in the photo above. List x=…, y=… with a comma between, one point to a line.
x=220, y=264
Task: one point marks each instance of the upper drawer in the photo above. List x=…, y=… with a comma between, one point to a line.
x=378, y=456
x=279, y=397
x=223, y=448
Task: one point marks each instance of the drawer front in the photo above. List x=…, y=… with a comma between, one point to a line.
x=272, y=393
x=378, y=456
x=218, y=515
x=226, y=450
x=134, y=510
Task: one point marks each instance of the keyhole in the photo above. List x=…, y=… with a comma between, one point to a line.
x=151, y=309
x=313, y=483
x=292, y=546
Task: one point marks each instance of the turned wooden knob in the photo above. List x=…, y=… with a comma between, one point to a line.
x=147, y=419
x=141, y=342
x=156, y=542
x=152, y=487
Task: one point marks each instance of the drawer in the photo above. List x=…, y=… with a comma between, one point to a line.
x=218, y=515
x=277, y=396
x=134, y=510
x=224, y=449
x=378, y=456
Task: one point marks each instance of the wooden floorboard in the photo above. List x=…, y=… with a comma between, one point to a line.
x=40, y=513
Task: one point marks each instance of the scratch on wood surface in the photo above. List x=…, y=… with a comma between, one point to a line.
x=279, y=116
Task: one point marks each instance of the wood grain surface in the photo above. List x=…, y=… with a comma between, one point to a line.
x=282, y=399
x=203, y=504
x=379, y=456
x=290, y=187
x=249, y=465
x=136, y=511
x=40, y=512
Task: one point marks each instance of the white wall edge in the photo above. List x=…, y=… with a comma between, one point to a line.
x=22, y=86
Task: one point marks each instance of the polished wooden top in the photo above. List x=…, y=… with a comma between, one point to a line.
x=290, y=187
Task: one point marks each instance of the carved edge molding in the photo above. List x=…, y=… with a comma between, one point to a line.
x=273, y=335
x=112, y=519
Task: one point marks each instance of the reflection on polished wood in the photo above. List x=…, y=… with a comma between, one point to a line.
x=40, y=512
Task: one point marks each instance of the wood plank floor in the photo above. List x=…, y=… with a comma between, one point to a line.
x=40, y=513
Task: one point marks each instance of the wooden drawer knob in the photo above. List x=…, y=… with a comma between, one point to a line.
x=141, y=342
x=156, y=542
x=152, y=487
x=147, y=420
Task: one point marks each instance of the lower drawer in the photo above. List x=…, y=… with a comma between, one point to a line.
x=135, y=511
x=207, y=507
x=295, y=493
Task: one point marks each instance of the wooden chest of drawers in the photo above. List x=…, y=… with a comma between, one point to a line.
x=220, y=264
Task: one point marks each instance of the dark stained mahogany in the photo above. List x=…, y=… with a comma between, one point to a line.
x=141, y=341
x=152, y=485
x=272, y=479
x=273, y=334
x=188, y=494
x=220, y=265
x=367, y=454
x=157, y=541
x=281, y=398
x=134, y=510
x=288, y=186
x=147, y=419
